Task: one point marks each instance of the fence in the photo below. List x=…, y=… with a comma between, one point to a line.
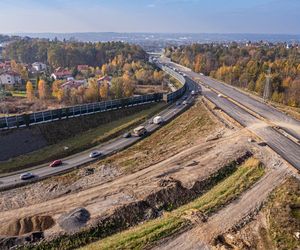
x=26, y=120
x=79, y=110
x=171, y=97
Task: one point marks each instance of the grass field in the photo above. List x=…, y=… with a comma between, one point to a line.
x=286, y=202
x=145, y=235
x=19, y=93
x=80, y=142
x=179, y=133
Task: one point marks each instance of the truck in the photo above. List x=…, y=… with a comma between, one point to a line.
x=157, y=120
x=139, y=131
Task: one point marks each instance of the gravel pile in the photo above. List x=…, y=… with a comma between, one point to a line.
x=73, y=221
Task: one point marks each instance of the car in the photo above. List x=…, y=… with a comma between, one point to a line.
x=184, y=103
x=184, y=97
x=95, y=154
x=127, y=135
x=26, y=176
x=193, y=92
x=55, y=163
x=178, y=103
x=220, y=95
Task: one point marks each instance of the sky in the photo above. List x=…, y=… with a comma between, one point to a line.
x=174, y=16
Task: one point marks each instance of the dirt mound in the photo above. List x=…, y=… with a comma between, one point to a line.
x=27, y=225
x=74, y=220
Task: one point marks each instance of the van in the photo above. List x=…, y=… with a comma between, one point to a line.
x=157, y=120
x=139, y=131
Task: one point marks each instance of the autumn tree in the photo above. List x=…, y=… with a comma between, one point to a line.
x=104, y=89
x=29, y=91
x=42, y=89
x=92, y=92
x=117, y=87
x=57, y=91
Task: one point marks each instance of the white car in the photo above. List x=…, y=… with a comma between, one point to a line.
x=184, y=102
x=220, y=95
x=95, y=154
x=26, y=176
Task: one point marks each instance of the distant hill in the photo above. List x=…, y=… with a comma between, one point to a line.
x=167, y=37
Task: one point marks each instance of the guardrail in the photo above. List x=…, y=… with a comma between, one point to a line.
x=27, y=120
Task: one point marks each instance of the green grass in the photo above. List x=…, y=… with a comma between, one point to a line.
x=82, y=141
x=150, y=232
x=18, y=93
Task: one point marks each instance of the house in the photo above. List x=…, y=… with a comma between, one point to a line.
x=10, y=78
x=39, y=67
x=61, y=74
x=73, y=84
x=5, y=66
x=104, y=79
x=83, y=68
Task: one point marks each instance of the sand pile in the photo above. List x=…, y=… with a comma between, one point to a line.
x=27, y=225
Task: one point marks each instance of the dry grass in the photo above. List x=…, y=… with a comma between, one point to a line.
x=184, y=131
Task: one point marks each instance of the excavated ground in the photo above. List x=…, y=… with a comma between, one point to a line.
x=171, y=167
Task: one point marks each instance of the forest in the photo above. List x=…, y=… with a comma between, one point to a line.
x=247, y=66
x=69, y=53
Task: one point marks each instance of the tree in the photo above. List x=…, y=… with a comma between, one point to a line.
x=104, y=88
x=29, y=91
x=42, y=89
x=117, y=87
x=104, y=69
x=92, y=92
x=57, y=92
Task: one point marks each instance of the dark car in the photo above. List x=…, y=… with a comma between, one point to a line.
x=127, y=135
x=95, y=154
x=56, y=163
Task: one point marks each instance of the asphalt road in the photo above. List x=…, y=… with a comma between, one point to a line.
x=281, y=144
x=115, y=145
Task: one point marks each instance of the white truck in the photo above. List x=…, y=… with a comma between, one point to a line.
x=157, y=120
x=139, y=131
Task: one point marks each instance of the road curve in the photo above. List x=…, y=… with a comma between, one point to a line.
x=44, y=171
x=286, y=148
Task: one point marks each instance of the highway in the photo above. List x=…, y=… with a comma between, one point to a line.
x=238, y=105
x=111, y=147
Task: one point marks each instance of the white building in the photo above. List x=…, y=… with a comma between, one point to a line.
x=38, y=66
x=10, y=78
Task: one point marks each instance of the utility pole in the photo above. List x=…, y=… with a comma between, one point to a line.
x=267, y=89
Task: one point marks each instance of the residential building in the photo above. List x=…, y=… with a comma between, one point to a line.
x=39, y=67
x=104, y=79
x=73, y=84
x=61, y=74
x=83, y=67
x=10, y=78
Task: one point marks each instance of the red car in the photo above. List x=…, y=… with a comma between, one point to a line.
x=56, y=163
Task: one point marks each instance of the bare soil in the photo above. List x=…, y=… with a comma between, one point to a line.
x=105, y=186
x=238, y=212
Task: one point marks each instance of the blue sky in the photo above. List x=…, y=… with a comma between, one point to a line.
x=195, y=16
